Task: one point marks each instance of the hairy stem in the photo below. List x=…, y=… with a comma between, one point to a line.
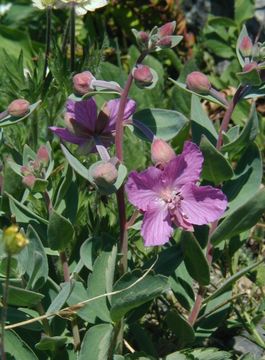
x=47, y=39
x=209, y=251
x=72, y=37
x=5, y=306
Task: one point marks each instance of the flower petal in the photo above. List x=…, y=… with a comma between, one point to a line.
x=65, y=134
x=156, y=227
x=142, y=188
x=112, y=111
x=203, y=204
x=84, y=112
x=185, y=168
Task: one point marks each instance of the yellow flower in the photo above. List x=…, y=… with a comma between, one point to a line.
x=14, y=241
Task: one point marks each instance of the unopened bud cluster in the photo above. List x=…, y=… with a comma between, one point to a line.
x=14, y=241
x=158, y=37
x=35, y=169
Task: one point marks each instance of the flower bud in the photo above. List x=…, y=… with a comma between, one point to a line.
x=18, y=107
x=25, y=170
x=198, y=82
x=250, y=66
x=167, y=29
x=245, y=46
x=165, y=42
x=14, y=241
x=143, y=37
x=29, y=181
x=142, y=75
x=161, y=152
x=105, y=174
x=43, y=155
x=82, y=82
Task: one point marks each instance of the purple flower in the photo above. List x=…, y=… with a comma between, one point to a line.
x=85, y=127
x=171, y=197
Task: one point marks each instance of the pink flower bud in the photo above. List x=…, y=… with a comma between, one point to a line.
x=18, y=107
x=25, y=170
x=198, y=82
x=143, y=37
x=245, y=46
x=165, y=42
x=105, y=174
x=167, y=29
x=250, y=66
x=29, y=181
x=161, y=152
x=82, y=82
x=143, y=75
x=43, y=155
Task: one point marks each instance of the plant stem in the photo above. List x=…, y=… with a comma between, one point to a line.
x=119, y=154
x=47, y=39
x=72, y=37
x=227, y=116
x=209, y=251
x=5, y=306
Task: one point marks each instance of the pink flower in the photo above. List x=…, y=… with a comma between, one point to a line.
x=171, y=197
x=84, y=126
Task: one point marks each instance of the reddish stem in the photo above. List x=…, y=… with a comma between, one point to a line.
x=119, y=154
x=209, y=251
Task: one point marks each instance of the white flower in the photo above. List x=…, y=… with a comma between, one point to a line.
x=43, y=4
x=83, y=6
x=4, y=8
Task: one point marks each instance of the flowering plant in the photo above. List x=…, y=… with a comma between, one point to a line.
x=135, y=230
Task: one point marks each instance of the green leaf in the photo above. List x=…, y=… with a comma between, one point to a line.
x=215, y=166
x=194, y=259
x=34, y=261
x=22, y=212
x=17, y=348
x=164, y=124
x=180, y=327
x=203, y=96
x=242, y=219
x=51, y=343
x=86, y=253
x=181, y=284
x=251, y=77
x=144, y=291
x=231, y=280
x=60, y=231
x=100, y=282
x=13, y=41
x=61, y=298
x=244, y=10
x=213, y=314
x=21, y=297
x=97, y=343
x=247, y=135
x=10, y=120
x=75, y=164
x=247, y=179
x=176, y=356
x=200, y=123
